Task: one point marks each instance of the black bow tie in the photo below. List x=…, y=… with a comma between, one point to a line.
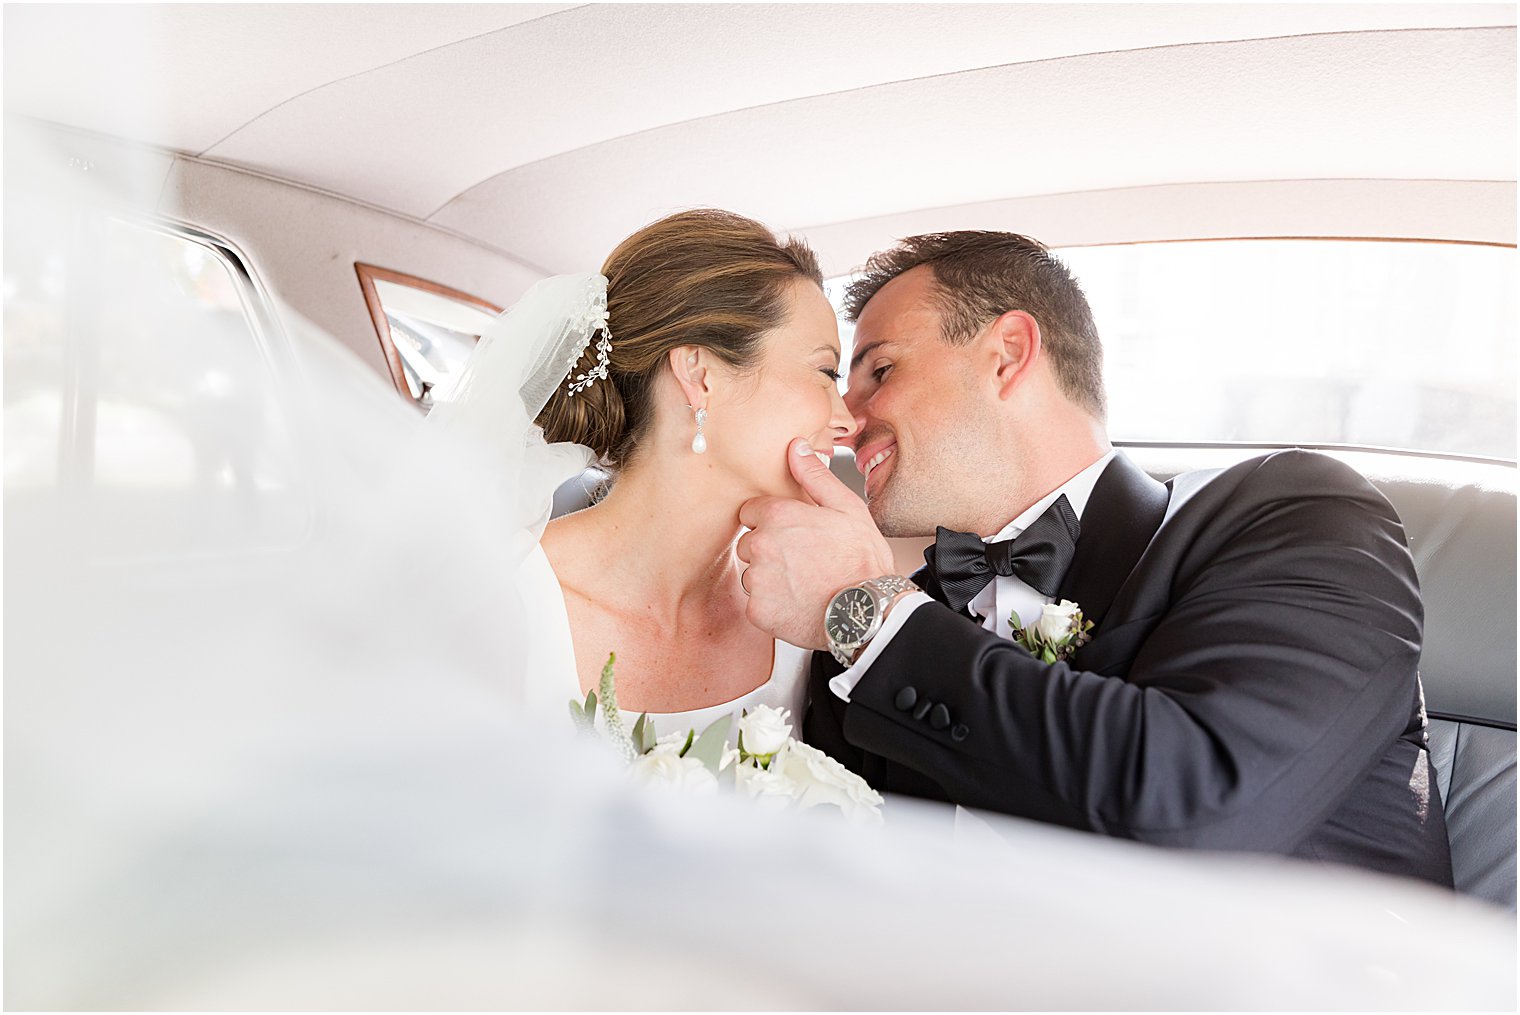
x=963, y=565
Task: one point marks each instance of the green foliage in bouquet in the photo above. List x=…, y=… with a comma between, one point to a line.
x=770, y=765
x=707, y=747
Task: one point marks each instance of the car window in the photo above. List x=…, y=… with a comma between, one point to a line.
x=426, y=329
x=140, y=375
x=1368, y=343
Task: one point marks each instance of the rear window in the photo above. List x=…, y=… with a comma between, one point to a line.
x=1326, y=342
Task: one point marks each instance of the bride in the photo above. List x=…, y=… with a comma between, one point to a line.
x=687, y=368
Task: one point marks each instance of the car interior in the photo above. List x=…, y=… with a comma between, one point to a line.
x=1244, y=191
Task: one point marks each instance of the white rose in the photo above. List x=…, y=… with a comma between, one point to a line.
x=765, y=730
x=822, y=780
x=669, y=770
x=770, y=786
x=670, y=743
x=1057, y=621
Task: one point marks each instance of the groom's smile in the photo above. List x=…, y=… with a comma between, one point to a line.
x=908, y=388
x=870, y=459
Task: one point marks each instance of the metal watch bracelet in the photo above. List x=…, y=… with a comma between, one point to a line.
x=887, y=586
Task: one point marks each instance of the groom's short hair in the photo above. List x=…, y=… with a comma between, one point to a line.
x=979, y=276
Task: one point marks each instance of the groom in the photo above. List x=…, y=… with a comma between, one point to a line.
x=1250, y=679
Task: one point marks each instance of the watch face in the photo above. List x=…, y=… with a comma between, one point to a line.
x=850, y=616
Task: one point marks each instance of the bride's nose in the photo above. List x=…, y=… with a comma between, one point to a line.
x=842, y=422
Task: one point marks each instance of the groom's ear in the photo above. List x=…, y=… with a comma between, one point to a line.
x=688, y=363
x=1015, y=344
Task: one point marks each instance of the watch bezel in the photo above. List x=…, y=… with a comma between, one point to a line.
x=873, y=623
x=879, y=597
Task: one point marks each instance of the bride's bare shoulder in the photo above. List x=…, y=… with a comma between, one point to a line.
x=570, y=544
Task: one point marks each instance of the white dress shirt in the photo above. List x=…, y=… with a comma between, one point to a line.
x=1003, y=596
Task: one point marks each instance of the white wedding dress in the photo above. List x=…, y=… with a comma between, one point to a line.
x=552, y=679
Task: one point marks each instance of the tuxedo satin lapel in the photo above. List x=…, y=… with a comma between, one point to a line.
x=1125, y=510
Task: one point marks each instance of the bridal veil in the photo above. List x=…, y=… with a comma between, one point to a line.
x=292, y=770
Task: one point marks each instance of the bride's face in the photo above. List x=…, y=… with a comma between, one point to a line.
x=792, y=393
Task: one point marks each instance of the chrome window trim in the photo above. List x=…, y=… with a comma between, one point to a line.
x=273, y=342
x=256, y=300
x=1270, y=446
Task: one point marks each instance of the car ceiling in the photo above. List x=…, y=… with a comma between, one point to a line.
x=549, y=131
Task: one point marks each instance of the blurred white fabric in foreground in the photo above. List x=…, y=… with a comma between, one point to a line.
x=265, y=749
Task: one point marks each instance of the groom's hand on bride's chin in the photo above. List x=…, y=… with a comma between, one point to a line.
x=800, y=554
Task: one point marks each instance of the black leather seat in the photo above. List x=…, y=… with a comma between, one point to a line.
x=1463, y=540
x=1460, y=520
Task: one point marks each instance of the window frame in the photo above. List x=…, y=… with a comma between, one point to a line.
x=80, y=382
x=370, y=273
x=255, y=297
x=1056, y=248
x=77, y=434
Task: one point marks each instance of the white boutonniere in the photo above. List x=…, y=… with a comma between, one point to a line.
x=1060, y=631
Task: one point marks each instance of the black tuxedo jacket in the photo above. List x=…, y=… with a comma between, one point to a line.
x=1251, y=682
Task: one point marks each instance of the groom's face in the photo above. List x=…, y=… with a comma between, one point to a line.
x=920, y=408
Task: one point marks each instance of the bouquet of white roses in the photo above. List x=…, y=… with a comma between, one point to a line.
x=769, y=765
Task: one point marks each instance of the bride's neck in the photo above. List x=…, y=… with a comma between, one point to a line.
x=674, y=526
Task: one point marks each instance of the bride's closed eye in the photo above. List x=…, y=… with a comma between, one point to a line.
x=831, y=374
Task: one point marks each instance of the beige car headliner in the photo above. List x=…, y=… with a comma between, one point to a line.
x=548, y=131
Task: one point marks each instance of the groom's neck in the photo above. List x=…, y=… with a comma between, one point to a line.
x=1042, y=458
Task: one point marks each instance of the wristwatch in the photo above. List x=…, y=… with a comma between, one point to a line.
x=854, y=615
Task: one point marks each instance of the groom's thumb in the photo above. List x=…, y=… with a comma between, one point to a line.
x=813, y=475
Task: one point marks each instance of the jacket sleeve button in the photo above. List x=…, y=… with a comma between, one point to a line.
x=906, y=699
x=940, y=717
x=923, y=708
x=959, y=733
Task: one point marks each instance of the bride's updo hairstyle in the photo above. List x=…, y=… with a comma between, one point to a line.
x=705, y=278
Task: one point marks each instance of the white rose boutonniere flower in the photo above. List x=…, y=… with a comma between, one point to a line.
x=1058, y=632
x=1056, y=620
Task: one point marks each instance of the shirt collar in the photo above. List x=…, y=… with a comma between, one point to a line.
x=1077, y=490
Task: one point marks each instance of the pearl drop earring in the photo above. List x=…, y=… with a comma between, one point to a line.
x=699, y=442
